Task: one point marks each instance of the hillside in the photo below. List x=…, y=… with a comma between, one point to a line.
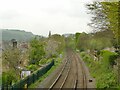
x=20, y=35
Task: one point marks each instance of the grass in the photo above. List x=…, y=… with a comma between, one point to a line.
x=57, y=63
x=105, y=76
x=0, y=79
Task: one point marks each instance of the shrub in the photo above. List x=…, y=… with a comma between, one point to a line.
x=105, y=77
x=32, y=67
x=112, y=59
x=82, y=49
x=8, y=78
x=43, y=61
x=82, y=54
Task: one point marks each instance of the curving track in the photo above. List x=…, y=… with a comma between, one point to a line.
x=72, y=74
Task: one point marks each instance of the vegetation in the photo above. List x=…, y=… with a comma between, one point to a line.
x=0, y=79
x=36, y=51
x=102, y=70
x=55, y=45
x=106, y=34
x=40, y=51
x=10, y=64
x=70, y=41
x=45, y=51
x=93, y=45
x=106, y=17
x=111, y=10
x=58, y=61
x=94, y=41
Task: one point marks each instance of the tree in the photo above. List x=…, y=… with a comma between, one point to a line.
x=83, y=41
x=11, y=59
x=105, y=17
x=109, y=13
x=54, y=45
x=99, y=19
x=10, y=64
x=77, y=35
x=110, y=9
x=36, y=51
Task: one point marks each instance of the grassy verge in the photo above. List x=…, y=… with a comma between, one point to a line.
x=57, y=63
x=0, y=79
x=105, y=75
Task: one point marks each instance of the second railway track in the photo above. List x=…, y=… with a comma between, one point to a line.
x=72, y=74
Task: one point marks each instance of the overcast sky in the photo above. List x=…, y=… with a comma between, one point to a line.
x=42, y=16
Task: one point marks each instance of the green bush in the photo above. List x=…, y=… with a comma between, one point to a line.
x=8, y=78
x=112, y=59
x=36, y=52
x=108, y=81
x=82, y=49
x=98, y=52
x=54, y=56
x=105, y=77
x=0, y=79
x=32, y=67
x=44, y=61
x=82, y=54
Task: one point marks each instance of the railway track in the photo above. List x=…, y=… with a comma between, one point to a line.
x=61, y=78
x=71, y=80
x=83, y=72
x=76, y=73
x=72, y=74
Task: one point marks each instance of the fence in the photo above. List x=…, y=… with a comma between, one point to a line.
x=31, y=78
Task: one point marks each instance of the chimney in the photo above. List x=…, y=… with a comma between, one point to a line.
x=49, y=33
x=14, y=41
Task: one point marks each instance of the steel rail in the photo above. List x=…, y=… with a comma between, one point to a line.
x=76, y=73
x=58, y=77
x=83, y=74
x=65, y=78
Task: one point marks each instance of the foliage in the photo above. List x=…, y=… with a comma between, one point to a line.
x=10, y=63
x=61, y=42
x=94, y=41
x=110, y=9
x=82, y=41
x=105, y=75
x=70, y=41
x=109, y=58
x=55, y=44
x=77, y=35
x=105, y=17
x=98, y=20
x=57, y=62
x=8, y=78
x=11, y=60
x=45, y=61
x=108, y=82
x=36, y=51
x=112, y=59
x=32, y=67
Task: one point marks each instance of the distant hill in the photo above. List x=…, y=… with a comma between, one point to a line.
x=19, y=35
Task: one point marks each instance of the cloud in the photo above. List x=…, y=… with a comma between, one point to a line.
x=40, y=16
x=9, y=15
